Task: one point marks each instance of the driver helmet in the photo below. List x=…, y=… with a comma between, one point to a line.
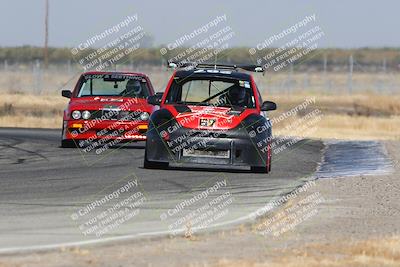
x=133, y=87
x=237, y=95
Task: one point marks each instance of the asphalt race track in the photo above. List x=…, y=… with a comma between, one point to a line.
x=45, y=191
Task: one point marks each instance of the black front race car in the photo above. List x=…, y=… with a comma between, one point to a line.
x=210, y=115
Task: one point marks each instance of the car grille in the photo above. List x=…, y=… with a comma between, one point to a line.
x=208, y=134
x=116, y=115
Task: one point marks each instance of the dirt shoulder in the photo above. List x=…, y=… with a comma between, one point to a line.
x=352, y=221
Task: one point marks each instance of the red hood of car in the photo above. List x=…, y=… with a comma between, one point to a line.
x=209, y=117
x=101, y=102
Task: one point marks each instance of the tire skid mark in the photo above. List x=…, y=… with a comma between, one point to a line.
x=13, y=145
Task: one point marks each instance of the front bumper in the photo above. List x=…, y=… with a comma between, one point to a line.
x=111, y=129
x=236, y=146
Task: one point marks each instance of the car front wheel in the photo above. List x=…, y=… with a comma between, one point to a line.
x=153, y=164
x=259, y=169
x=68, y=143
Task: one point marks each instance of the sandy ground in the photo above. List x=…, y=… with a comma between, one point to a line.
x=356, y=223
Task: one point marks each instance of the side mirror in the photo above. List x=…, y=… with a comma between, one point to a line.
x=155, y=100
x=268, y=105
x=66, y=93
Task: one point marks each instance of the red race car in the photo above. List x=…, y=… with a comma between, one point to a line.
x=210, y=115
x=107, y=107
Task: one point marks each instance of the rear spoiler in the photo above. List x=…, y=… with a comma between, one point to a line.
x=194, y=65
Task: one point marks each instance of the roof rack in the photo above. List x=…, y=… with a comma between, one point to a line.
x=194, y=65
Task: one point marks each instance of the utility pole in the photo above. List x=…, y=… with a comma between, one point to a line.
x=350, y=81
x=325, y=67
x=46, y=36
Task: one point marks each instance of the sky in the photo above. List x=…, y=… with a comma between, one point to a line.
x=346, y=24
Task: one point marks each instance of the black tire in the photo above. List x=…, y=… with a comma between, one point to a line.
x=68, y=143
x=153, y=164
x=259, y=169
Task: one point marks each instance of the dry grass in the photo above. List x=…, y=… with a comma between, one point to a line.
x=366, y=116
x=344, y=127
x=357, y=128
x=19, y=110
x=34, y=102
x=366, y=104
x=31, y=122
x=376, y=252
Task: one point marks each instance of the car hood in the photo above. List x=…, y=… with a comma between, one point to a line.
x=99, y=103
x=209, y=117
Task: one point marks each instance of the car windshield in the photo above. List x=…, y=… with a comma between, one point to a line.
x=211, y=91
x=113, y=85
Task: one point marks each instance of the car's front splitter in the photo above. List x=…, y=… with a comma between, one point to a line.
x=233, y=147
